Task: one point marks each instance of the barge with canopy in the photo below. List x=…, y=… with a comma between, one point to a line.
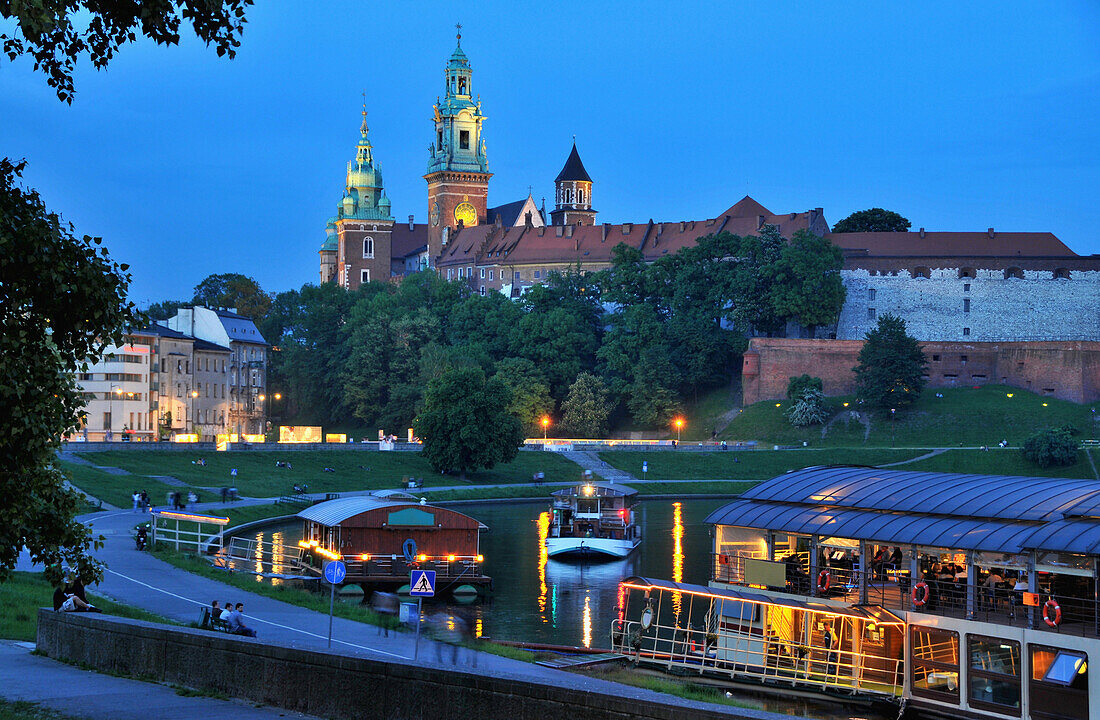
x=382, y=539
x=593, y=520
x=959, y=595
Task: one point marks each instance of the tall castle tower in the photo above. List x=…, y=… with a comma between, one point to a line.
x=458, y=172
x=357, y=240
x=573, y=194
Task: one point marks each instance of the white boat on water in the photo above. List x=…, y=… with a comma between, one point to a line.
x=594, y=520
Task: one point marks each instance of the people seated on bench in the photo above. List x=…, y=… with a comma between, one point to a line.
x=224, y=616
x=209, y=615
x=235, y=620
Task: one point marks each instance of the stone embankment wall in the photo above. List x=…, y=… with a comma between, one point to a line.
x=1065, y=370
x=328, y=684
x=981, y=306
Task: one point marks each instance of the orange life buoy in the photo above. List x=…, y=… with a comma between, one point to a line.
x=921, y=593
x=824, y=580
x=1054, y=619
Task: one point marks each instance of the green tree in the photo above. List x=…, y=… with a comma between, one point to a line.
x=798, y=385
x=57, y=33
x=166, y=309
x=530, y=394
x=891, y=366
x=1051, y=447
x=586, y=409
x=62, y=302
x=465, y=424
x=233, y=290
x=808, y=408
x=806, y=284
x=873, y=220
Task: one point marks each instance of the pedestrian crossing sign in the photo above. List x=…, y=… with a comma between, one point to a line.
x=422, y=583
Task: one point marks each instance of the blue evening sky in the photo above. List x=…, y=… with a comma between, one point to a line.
x=960, y=116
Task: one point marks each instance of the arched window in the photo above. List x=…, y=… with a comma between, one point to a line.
x=922, y=272
x=967, y=272
x=368, y=247
x=580, y=196
x=1014, y=273
x=462, y=86
x=1061, y=274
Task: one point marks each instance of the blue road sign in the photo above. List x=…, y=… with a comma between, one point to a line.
x=422, y=583
x=335, y=572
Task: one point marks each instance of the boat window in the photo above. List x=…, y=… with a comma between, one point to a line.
x=588, y=505
x=1059, y=685
x=935, y=663
x=994, y=674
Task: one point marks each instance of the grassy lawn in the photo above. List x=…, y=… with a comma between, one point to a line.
x=25, y=592
x=257, y=475
x=117, y=489
x=962, y=417
x=743, y=465
x=1000, y=462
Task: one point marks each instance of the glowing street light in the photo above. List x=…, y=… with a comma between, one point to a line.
x=545, y=424
x=679, y=423
x=194, y=394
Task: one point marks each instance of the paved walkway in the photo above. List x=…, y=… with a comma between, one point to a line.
x=96, y=696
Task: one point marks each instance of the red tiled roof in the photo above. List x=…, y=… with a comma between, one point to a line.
x=404, y=241
x=951, y=244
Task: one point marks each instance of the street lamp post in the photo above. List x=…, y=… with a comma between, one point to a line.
x=545, y=424
x=679, y=422
x=194, y=394
x=107, y=431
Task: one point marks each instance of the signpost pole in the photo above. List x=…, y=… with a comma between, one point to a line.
x=419, y=609
x=331, y=605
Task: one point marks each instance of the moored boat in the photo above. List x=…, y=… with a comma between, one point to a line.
x=593, y=520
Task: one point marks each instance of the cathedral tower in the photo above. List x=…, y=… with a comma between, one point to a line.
x=458, y=172
x=573, y=194
x=363, y=224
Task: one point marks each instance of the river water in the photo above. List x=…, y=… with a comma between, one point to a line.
x=541, y=600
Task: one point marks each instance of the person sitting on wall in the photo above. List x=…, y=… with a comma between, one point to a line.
x=235, y=619
x=70, y=597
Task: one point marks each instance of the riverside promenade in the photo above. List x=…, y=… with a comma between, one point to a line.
x=140, y=580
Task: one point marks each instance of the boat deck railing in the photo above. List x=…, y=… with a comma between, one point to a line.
x=388, y=566
x=891, y=588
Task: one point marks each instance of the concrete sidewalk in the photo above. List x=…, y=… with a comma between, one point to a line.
x=87, y=694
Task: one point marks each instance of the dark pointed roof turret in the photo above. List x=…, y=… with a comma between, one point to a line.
x=574, y=168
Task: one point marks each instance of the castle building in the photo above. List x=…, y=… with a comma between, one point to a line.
x=953, y=287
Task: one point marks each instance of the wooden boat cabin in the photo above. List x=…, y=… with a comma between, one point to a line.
x=964, y=596
x=381, y=539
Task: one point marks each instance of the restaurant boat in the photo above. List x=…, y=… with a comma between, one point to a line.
x=593, y=520
x=382, y=539
x=959, y=595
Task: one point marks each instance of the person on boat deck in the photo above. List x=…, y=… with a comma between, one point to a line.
x=878, y=564
x=831, y=641
x=896, y=558
x=992, y=584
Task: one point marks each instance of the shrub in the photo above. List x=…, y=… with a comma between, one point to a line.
x=808, y=409
x=1050, y=447
x=798, y=385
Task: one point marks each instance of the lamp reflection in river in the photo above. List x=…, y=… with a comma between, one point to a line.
x=544, y=530
x=677, y=553
x=276, y=557
x=259, y=555
x=587, y=622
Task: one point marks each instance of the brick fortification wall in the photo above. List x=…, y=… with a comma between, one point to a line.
x=333, y=685
x=984, y=308
x=1065, y=370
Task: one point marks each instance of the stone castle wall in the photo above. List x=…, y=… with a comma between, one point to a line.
x=1064, y=370
x=984, y=308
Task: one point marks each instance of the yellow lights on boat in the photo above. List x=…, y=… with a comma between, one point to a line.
x=421, y=557
x=308, y=544
x=1009, y=394
x=481, y=558
x=327, y=553
x=188, y=516
x=588, y=489
x=364, y=557
x=450, y=558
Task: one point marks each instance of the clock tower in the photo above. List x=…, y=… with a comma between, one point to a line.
x=458, y=172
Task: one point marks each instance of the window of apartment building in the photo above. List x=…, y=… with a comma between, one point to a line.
x=1059, y=685
x=106, y=421
x=223, y=390
x=963, y=359
x=935, y=663
x=179, y=390
x=966, y=305
x=966, y=331
x=490, y=274
x=131, y=425
x=935, y=358
x=482, y=273
x=450, y=273
x=464, y=139
x=871, y=293
x=187, y=366
x=966, y=287
x=870, y=313
x=368, y=247
x=482, y=289
x=517, y=275
x=537, y=275
x=179, y=366
x=364, y=276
